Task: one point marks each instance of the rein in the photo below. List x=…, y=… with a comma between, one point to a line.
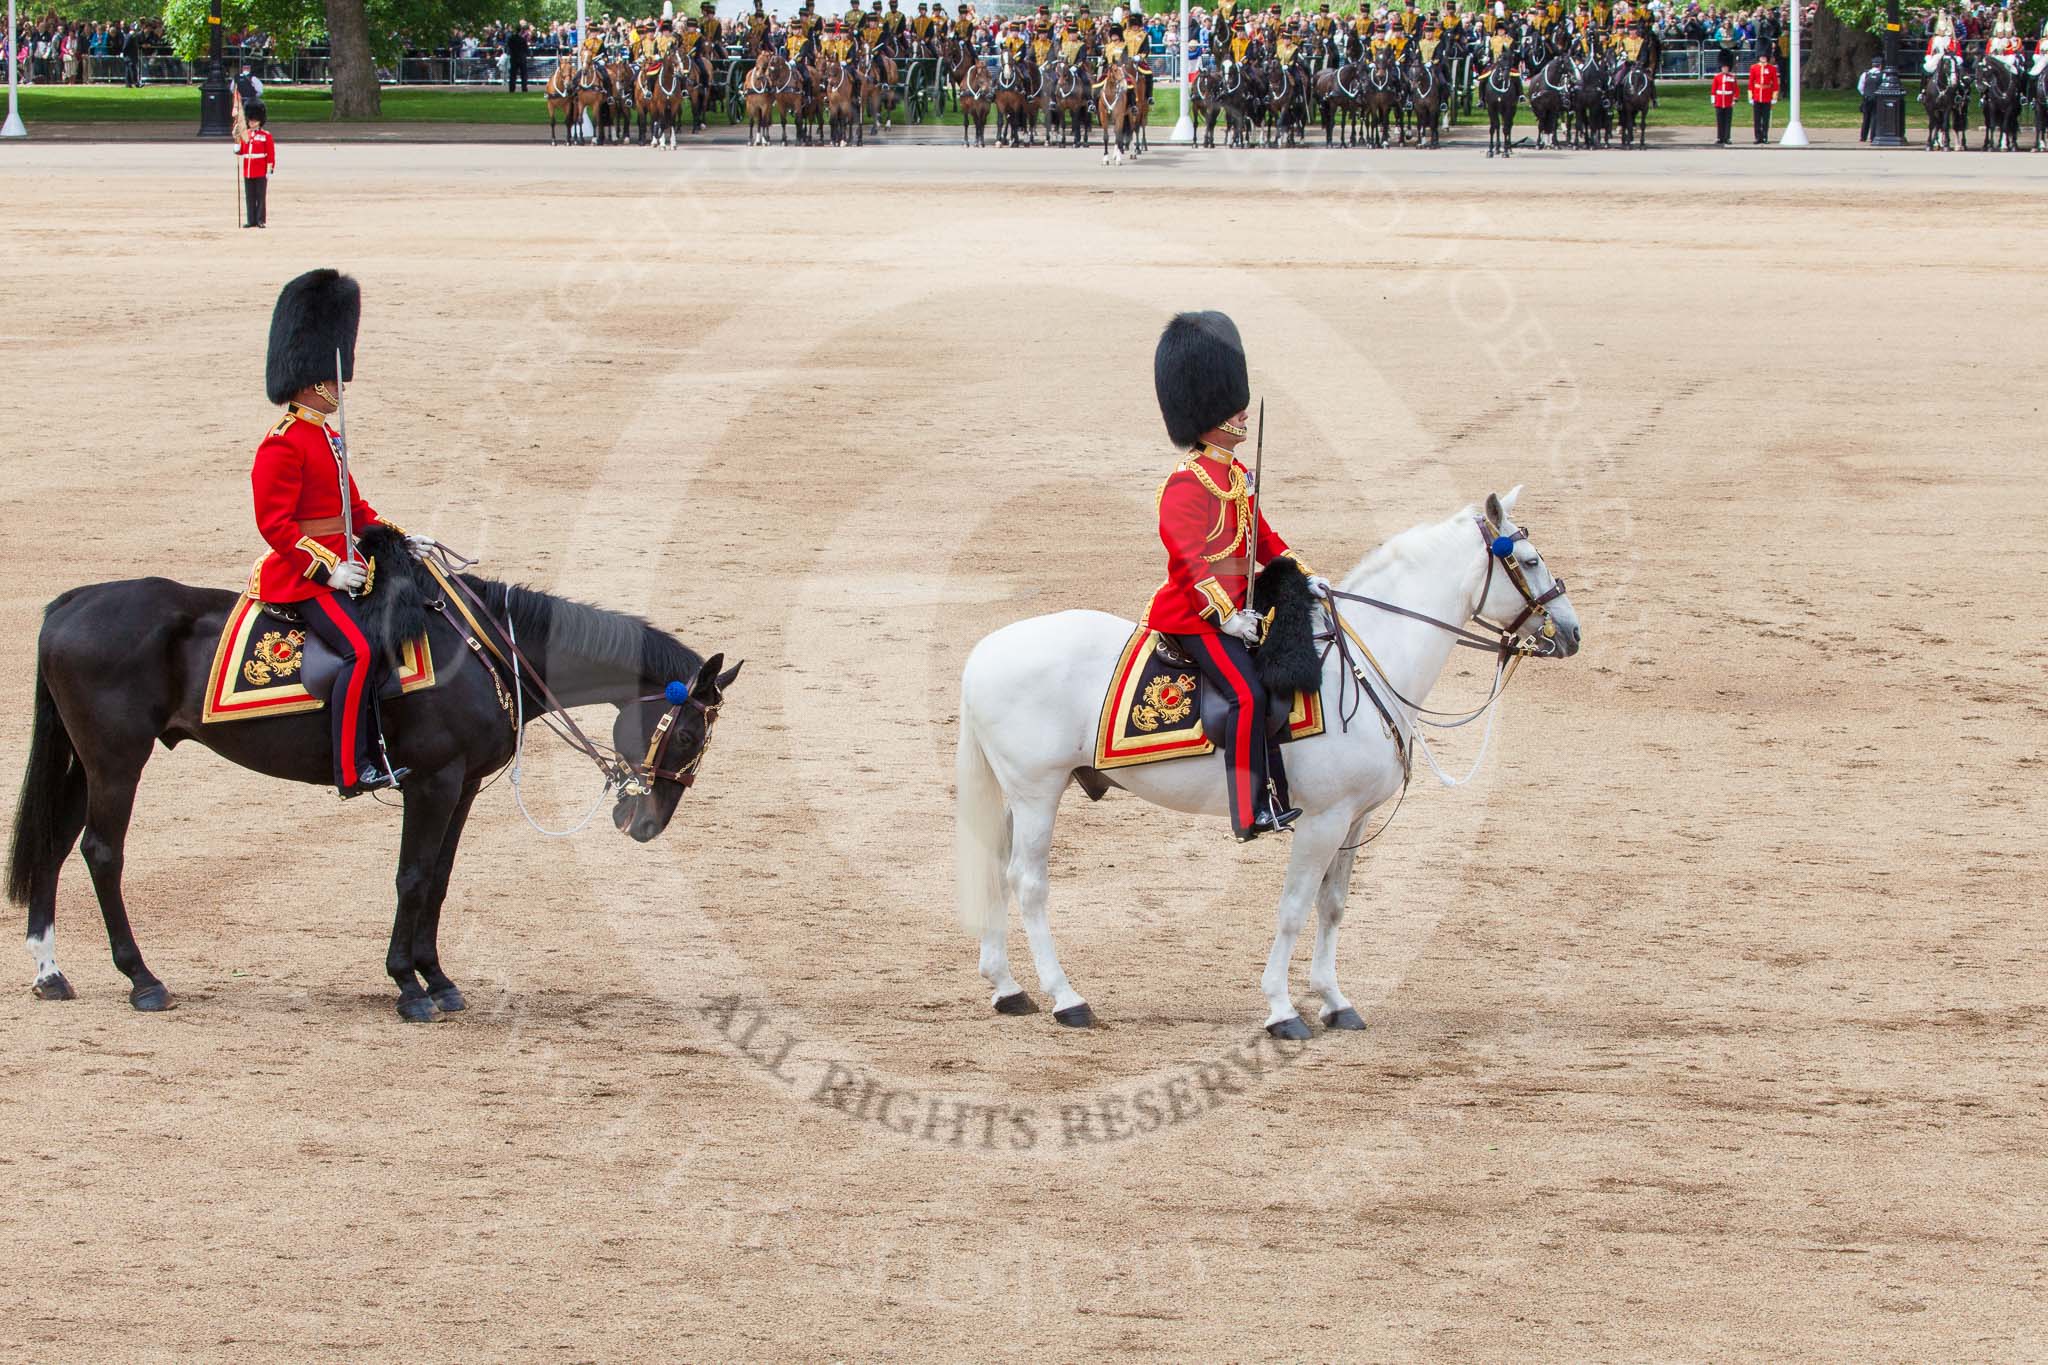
x=1508, y=647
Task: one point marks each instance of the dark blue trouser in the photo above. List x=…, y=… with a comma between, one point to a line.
x=1227, y=665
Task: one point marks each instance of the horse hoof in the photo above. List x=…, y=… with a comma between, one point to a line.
x=417, y=1009
x=1346, y=1019
x=1017, y=1002
x=53, y=987
x=1075, y=1016
x=152, y=998
x=1290, y=1030
x=449, y=1000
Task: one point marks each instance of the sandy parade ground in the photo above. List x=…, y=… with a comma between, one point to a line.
x=1707, y=1022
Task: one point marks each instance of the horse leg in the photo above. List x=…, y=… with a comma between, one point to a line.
x=430, y=802
x=426, y=940
x=67, y=817
x=1316, y=841
x=110, y=802
x=1330, y=899
x=1031, y=822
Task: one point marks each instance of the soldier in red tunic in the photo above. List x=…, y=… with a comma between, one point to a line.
x=298, y=494
x=1214, y=538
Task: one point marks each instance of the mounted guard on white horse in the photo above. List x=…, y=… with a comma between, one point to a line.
x=1243, y=649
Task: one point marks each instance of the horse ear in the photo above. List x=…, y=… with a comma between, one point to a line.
x=725, y=678
x=1507, y=499
x=707, y=677
x=1493, y=510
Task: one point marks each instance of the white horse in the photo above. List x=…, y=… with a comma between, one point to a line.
x=1031, y=694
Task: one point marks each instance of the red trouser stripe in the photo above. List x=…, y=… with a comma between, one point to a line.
x=352, y=698
x=1241, y=740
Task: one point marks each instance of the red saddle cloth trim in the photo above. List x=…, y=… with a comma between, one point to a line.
x=256, y=667
x=1152, y=711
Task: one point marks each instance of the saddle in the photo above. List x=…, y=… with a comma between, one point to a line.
x=269, y=664
x=1158, y=707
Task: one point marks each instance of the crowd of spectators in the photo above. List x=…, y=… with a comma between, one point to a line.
x=52, y=51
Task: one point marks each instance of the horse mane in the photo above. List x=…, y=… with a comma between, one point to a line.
x=595, y=634
x=1407, y=549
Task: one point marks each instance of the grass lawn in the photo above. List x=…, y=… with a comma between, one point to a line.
x=1683, y=105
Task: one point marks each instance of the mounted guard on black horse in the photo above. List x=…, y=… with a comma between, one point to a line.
x=424, y=674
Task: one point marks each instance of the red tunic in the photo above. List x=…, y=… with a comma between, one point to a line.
x=1203, y=508
x=1724, y=90
x=1763, y=83
x=258, y=155
x=297, y=479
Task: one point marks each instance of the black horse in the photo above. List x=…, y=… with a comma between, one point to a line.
x=2041, y=110
x=1243, y=97
x=1429, y=89
x=1594, y=105
x=1946, y=93
x=1501, y=93
x=121, y=666
x=2001, y=96
x=1634, y=92
x=1550, y=98
x=1287, y=92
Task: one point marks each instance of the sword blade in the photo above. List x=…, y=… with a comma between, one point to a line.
x=348, y=529
x=1251, y=549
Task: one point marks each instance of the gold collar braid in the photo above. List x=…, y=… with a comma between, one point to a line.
x=1238, y=495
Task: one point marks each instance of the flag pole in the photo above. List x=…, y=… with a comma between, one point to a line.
x=13, y=127
x=1795, y=132
x=1184, y=126
x=240, y=130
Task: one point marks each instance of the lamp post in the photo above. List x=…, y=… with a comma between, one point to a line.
x=214, y=118
x=1184, y=126
x=1795, y=132
x=13, y=127
x=1888, y=105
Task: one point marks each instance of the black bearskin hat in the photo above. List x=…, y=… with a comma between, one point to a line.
x=256, y=112
x=316, y=315
x=1727, y=60
x=1199, y=374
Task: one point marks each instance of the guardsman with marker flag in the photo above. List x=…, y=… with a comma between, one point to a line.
x=1215, y=538
x=256, y=152
x=297, y=482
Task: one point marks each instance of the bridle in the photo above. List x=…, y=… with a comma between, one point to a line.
x=1509, y=645
x=1508, y=649
x=643, y=775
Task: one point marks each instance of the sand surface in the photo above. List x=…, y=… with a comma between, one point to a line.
x=1708, y=1022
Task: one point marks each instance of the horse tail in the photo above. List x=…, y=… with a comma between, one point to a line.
x=981, y=830
x=53, y=769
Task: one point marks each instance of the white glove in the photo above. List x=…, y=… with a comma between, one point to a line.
x=1319, y=587
x=419, y=545
x=1244, y=626
x=348, y=576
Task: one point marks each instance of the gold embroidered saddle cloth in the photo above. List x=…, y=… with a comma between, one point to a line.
x=269, y=664
x=1157, y=702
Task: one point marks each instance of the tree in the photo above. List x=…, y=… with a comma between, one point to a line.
x=359, y=33
x=351, y=67
x=1841, y=49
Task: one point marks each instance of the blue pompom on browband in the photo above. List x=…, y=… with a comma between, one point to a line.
x=1502, y=547
x=677, y=693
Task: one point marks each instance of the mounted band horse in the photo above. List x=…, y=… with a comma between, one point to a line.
x=425, y=676
x=1179, y=711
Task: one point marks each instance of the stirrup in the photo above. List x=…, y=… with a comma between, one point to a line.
x=373, y=778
